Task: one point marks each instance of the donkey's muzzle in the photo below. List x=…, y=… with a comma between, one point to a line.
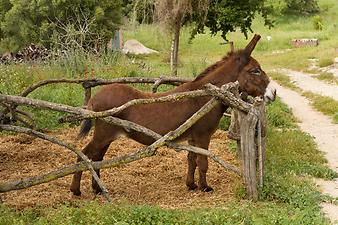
x=270, y=93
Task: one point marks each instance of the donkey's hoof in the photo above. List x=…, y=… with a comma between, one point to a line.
x=97, y=191
x=76, y=192
x=192, y=186
x=207, y=189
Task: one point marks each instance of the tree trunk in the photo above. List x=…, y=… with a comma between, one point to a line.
x=174, y=51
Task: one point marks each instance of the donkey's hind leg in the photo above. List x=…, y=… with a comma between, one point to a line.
x=190, y=182
x=98, y=157
x=104, y=134
x=75, y=185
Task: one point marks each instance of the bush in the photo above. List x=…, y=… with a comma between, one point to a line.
x=301, y=7
x=91, y=23
x=317, y=22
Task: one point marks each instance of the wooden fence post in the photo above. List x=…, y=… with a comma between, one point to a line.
x=88, y=92
x=249, y=156
x=261, y=140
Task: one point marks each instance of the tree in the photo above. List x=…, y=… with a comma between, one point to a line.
x=218, y=15
x=227, y=15
x=301, y=6
x=141, y=11
x=25, y=21
x=173, y=15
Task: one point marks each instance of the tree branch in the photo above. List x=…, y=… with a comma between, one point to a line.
x=97, y=81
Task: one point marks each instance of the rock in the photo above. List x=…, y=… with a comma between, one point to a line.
x=137, y=48
x=304, y=42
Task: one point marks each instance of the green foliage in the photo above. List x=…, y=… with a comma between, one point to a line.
x=324, y=62
x=140, y=11
x=317, y=22
x=301, y=6
x=279, y=115
x=90, y=23
x=227, y=16
x=224, y=123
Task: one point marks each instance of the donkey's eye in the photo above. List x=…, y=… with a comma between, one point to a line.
x=256, y=72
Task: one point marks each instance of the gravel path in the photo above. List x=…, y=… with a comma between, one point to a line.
x=308, y=83
x=321, y=128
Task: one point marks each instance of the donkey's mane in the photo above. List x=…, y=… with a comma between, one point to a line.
x=213, y=66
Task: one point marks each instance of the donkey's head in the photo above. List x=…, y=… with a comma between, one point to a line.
x=252, y=79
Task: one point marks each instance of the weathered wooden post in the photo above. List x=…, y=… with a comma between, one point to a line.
x=234, y=128
x=248, y=148
x=88, y=92
x=261, y=140
x=234, y=131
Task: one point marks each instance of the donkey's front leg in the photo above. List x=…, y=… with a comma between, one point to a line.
x=98, y=157
x=202, y=163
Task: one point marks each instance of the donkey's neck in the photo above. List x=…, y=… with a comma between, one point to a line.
x=219, y=76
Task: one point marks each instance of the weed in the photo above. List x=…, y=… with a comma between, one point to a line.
x=324, y=62
x=328, y=77
x=317, y=22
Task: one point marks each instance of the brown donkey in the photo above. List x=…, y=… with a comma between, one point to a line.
x=164, y=117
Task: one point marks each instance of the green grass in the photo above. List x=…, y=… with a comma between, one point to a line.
x=229, y=213
x=326, y=105
x=284, y=80
x=329, y=77
x=324, y=62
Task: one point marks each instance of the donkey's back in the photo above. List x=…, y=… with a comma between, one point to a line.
x=159, y=117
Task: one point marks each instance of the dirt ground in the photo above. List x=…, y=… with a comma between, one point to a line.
x=159, y=180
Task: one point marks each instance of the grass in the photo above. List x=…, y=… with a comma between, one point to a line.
x=229, y=213
x=326, y=105
x=284, y=80
x=324, y=62
x=329, y=77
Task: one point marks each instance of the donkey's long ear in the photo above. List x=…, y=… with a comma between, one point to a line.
x=252, y=44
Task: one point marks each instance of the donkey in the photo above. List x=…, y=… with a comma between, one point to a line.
x=164, y=117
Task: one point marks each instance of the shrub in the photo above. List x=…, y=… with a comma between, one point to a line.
x=90, y=22
x=301, y=6
x=317, y=22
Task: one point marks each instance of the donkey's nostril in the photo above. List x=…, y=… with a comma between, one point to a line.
x=270, y=93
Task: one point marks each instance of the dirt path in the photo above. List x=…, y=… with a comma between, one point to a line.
x=325, y=134
x=308, y=83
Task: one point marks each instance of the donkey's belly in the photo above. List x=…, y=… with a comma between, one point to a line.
x=168, y=118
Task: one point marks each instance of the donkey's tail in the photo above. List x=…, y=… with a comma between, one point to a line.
x=86, y=124
x=85, y=128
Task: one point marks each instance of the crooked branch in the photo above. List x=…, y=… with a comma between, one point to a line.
x=87, y=161
x=87, y=83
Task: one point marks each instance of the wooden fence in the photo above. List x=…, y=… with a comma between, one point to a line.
x=248, y=127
